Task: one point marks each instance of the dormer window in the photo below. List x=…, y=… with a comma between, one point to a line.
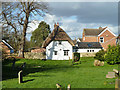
x=101, y=40
x=60, y=42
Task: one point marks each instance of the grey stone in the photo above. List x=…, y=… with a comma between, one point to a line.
x=20, y=79
x=110, y=75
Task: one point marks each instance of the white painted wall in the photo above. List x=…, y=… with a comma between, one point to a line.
x=55, y=46
x=85, y=50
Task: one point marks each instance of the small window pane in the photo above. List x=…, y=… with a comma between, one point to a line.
x=65, y=52
x=60, y=42
x=101, y=39
x=87, y=50
x=55, y=52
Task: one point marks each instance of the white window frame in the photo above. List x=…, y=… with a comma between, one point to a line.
x=66, y=52
x=102, y=39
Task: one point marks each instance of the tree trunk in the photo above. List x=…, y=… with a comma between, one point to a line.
x=23, y=42
x=24, y=34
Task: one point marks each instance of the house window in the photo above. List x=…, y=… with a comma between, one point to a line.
x=87, y=50
x=90, y=50
x=65, y=52
x=55, y=52
x=60, y=42
x=101, y=39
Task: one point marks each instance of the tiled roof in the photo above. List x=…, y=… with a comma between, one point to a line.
x=89, y=45
x=93, y=32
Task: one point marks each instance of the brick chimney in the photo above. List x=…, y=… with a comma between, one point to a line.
x=100, y=27
x=55, y=25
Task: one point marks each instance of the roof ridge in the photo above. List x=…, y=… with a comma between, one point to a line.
x=57, y=34
x=91, y=28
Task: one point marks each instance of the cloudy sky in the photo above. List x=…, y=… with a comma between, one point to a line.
x=73, y=17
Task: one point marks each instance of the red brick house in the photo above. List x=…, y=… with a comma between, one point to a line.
x=6, y=47
x=103, y=35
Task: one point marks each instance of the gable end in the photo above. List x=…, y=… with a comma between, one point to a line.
x=106, y=30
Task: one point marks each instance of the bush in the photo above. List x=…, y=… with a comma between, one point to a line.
x=100, y=55
x=76, y=57
x=112, y=55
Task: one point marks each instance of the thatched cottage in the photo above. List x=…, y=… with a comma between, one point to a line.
x=58, y=44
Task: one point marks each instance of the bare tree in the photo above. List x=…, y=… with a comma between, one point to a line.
x=17, y=15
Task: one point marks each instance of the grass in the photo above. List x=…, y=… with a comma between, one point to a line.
x=45, y=74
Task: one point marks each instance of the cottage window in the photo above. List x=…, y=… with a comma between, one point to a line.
x=101, y=39
x=65, y=52
x=60, y=42
x=55, y=52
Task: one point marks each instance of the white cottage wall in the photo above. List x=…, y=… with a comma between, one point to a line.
x=55, y=46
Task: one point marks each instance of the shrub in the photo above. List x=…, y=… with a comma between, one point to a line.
x=100, y=55
x=112, y=55
x=76, y=57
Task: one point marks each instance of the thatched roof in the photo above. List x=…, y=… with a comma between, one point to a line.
x=93, y=32
x=74, y=41
x=58, y=34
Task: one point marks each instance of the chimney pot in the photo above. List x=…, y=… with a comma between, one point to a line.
x=57, y=24
x=100, y=27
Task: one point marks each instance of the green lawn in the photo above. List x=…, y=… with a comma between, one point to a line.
x=45, y=74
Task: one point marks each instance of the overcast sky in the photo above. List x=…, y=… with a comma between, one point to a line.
x=73, y=17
